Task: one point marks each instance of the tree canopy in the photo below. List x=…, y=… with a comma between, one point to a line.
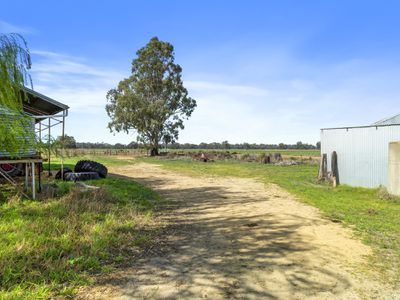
x=15, y=127
x=68, y=141
x=153, y=100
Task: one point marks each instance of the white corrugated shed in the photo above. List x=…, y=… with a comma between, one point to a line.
x=362, y=152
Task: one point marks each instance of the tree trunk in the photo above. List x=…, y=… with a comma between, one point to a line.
x=154, y=151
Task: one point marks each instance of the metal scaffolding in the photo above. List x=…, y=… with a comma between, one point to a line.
x=44, y=124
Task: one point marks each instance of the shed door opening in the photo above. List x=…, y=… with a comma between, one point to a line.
x=394, y=168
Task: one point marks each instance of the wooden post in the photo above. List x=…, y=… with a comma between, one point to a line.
x=323, y=167
x=33, y=182
x=39, y=177
x=26, y=176
x=62, y=147
x=334, y=169
x=48, y=150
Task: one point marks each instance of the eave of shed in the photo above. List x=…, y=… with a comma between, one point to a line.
x=390, y=121
x=41, y=105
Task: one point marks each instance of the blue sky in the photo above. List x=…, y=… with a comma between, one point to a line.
x=261, y=71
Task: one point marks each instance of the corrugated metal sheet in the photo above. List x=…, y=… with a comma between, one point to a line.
x=389, y=121
x=7, y=119
x=362, y=153
x=39, y=104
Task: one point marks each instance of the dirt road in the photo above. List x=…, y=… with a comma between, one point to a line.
x=232, y=238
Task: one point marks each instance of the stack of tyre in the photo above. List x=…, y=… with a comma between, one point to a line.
x=84, y=170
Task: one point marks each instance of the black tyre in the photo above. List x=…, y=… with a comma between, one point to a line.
x=64, y=171
x=11, y=169
x=91, y=166
x=72, y=176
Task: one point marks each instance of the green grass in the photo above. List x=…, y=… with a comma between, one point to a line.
x=50, y=247
x=374, y=219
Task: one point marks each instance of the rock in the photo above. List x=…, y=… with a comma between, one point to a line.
x=85, y=187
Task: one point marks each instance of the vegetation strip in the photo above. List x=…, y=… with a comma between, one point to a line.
x=51, y=247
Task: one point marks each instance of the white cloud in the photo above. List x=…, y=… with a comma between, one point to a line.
x=289, y=107
x=71, y=80
x=226, y=88
x=293, y=107
x=55, y=63
x=10, y=28
x=83, y=87
x=242, y=113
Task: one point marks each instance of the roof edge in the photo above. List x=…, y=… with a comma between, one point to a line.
x=385, y=120
x=354, y=127
x=48, y=99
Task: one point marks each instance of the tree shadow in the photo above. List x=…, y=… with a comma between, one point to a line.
x=218, y=244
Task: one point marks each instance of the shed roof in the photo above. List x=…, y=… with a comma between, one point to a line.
x=41, y=105
x=389, y=121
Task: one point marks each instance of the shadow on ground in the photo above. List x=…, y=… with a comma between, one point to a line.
x=223, y=242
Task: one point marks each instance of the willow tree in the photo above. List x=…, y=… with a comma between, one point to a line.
x=15, y=127
x=152, y=101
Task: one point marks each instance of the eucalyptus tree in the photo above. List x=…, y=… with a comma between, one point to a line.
x=16, y=132
x=152, y=101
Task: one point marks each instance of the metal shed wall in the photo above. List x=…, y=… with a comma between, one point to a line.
x=362, y=153
x=8, y=119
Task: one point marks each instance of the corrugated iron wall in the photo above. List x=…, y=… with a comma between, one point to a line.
x=8, y=118
x=362, y=153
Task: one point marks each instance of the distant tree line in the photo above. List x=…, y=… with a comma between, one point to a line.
x=88, y=145
x=70, y=142
x=225, y=145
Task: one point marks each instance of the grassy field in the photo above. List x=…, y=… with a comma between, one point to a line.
x=52, y=246
x=374, y=218
x=142, y=152
x=294, y=152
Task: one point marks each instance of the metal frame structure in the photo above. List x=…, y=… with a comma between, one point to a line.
x=47, y=113
x=29, y=163
x=41, y=126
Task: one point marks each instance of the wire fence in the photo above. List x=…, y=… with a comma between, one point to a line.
x=102, y=152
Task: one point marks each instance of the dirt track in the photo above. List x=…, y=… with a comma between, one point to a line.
x=234, y=238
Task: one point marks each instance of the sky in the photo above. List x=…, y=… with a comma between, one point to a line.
x=261, y=71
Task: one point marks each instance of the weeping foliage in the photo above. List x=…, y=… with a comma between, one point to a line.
x=16, y=132
x=153, y=100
